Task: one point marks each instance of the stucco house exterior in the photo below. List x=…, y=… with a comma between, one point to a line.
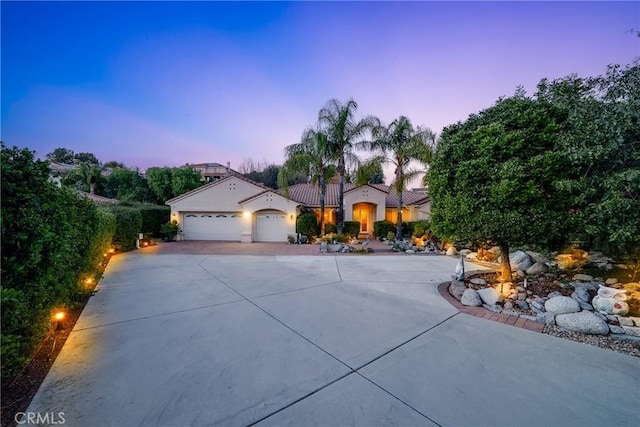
x=235, y=208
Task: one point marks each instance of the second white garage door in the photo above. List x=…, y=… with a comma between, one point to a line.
x=271, y=227
x=212, y=226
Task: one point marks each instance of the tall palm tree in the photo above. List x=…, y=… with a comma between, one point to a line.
x=399, y=144
x=310, y=157
x=343, y=133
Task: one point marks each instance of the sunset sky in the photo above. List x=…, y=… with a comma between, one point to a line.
x=168, y=83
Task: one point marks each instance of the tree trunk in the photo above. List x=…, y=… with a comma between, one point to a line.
x=341, y=196
x=323, y=190
x=505, y=265
x=399, y=186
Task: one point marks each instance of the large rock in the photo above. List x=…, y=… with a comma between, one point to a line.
x=452, y=251
x=490, y=296
x=561, y=305
x=581, y=294
x=584, y=321
x=537, y=257
x=538, y=267
x=520, y=261
x=471, y=298
x=583, y=277
x=472, y=255
x=610, y=305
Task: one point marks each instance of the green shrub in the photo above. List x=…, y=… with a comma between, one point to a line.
x=307, y=224
x=382, y=228
x=128, y=225
x=351, y=228
x=330, y=228
x=421, y=228
x=153, y=218
x=170, y=230
x=52, y=238
x=391, y=235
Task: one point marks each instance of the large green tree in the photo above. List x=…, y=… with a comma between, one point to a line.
x=602, y=146
x=185, y=179
x=493, y=179
x=398, y=144
x=159, y=181
x=311, y=156
x=343, y=132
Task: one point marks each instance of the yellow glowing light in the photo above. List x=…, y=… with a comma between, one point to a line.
x=59, y=315
x=111, y=250
x=246, y=214
x=145, y=244
x=88, y=280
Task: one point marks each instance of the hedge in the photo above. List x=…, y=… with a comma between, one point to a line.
x=52, y=238
x=153, y=217
x=351, y=228
x=128, y=226
x=382, y=228
x=330, y=228
x=307, y=224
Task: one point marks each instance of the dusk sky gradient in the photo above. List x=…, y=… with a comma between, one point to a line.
x=168, y=83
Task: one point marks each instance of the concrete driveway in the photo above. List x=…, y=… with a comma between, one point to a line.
x=178, y=340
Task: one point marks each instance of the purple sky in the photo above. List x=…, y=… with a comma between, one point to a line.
x=154, y=84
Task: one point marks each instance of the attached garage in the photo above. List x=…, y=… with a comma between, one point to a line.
x=212, y=226
x=271, y=226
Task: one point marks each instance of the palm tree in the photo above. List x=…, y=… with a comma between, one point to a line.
x=343, y=133
x=399, y=144
x=310, y=157
x=90, y=174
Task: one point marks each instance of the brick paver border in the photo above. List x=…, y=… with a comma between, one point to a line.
x=507, y=319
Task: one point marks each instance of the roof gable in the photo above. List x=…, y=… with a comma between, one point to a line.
x=226, y=180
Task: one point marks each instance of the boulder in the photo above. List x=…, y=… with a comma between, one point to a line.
x=611, y=281
x=561, y=305
x=538, y=267
x=537, y=257
x=472, y=255
x=584, y=321
x=610, y=305
x=471, y=298
x=452, y=251
x=581, y=294
x=490, y=296
x=464, y=252
x=625, y=321
x=520, y=261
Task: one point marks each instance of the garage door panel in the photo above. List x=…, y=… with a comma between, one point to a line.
x=271, y=227
x=212, y=226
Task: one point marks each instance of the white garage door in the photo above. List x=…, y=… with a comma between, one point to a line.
x=271, y=227
x=212, y=226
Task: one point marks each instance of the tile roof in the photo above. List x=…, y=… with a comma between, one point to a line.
x=307, y=194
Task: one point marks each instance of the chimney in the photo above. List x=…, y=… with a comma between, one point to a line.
x=228, y=167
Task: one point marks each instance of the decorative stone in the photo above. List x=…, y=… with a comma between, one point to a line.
x=465, y=252
x=471, y=298
x=520, y=289
x=625, y=321
x=584, y=321
x=581, y=294
x=610, y=305
x=520, y=261
x=537, y=257
x=508, y=305
x=632, y=330
x=554, y=294
x=538, y=303
x=611, y=281
x=493, y=307
x=478, y=281
x=636, y=320
x=583, y=278
x=490, y=296
x=537, y=268
x=452, y=251
x=590, y=286
x=585, y=306
x=409, y=251
x=495, y=250
x=522, y=296
x=550, y=319
x=521, y=273
x=562, y=305
x=522, y=305
x=625, y=337
x=472, y=255
x=616, y=329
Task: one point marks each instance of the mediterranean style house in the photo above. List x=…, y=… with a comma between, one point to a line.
x=235, y=208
